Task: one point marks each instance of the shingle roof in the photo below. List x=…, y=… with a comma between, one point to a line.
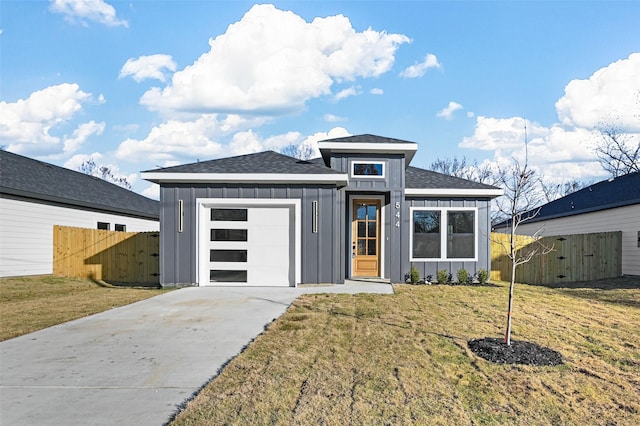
x=26, y=177
x=366, y=138
x=607, y=194
x=267, y=162
x=421, y=178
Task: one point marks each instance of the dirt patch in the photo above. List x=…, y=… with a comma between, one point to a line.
x=495, y=350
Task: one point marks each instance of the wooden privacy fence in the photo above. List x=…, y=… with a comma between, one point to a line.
x=118, y=257
x=580, y=257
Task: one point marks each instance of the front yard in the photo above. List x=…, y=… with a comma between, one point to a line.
x=32, y=303
x=404, y=359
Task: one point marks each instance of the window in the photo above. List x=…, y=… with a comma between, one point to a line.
x=120, y=228
x=228, y=235
x=235, y=215
x=104, y=225
x=443, y=234
x=367, y=169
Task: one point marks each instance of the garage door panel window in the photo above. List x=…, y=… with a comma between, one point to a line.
x=229, y=215
x=443, y=234
x=228, y=255
x=228, y=234
x=228, y=276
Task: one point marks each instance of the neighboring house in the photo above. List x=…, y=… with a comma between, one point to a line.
x=610, y=205
x=267, y=219
x=35, y=196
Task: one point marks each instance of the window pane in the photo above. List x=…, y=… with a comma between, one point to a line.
x=236, y=215
x=217, y=275
x=361, y=212
x=367, y=169
x=228, y=235
x=371, y=212
x=228, y=256
x=426, y=234
x=372, y=228
x=460, y=236
x=371, y=247
x=362, y=246
x=362, y=229
x=120, y=228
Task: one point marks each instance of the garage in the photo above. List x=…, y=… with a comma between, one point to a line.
x=248, y=242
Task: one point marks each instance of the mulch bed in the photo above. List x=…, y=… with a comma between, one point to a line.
x=528, y=353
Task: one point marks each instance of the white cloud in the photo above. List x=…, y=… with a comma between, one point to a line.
x=376, y=91
x=151, y=66
x=470, y=114
x=76, y=162
x=610, y=95
x=330, y=118
x=310, y=143
x=419, y=69
x=83, y=11
x=81, y=134
x=345, y=93
x=273, y=61
x=152, y=191
x=26, y=125
x=447, y=112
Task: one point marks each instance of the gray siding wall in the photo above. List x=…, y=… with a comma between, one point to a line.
x=483, y=207
x=178, y=250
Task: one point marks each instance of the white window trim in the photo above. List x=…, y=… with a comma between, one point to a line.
x=355, y=176
x=382, y=230
x=203, y=220
x=443, y=234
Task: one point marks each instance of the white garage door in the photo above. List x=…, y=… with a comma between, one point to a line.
x=251, y=246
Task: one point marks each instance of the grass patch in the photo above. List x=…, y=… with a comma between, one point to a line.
x=29, y=304
x=403, y=359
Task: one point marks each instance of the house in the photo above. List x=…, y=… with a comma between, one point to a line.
x=610, y=205
x=359, y=211
x=35, y=196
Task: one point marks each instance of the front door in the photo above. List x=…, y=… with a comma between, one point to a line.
x=365, y=234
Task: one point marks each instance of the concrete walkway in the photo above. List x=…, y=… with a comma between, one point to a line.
x=136, y=364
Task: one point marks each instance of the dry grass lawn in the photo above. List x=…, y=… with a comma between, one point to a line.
x=28, y=304
x=403, y=359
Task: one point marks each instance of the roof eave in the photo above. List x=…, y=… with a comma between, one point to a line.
x=451, y=192
x=408, y=149
x=253, y=178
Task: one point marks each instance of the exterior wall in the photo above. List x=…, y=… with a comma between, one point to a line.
x=26, y=232
x=483, y=207
x=625, y=219
x=178, y=250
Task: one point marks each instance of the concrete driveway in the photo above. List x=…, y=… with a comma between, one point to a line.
x=136, y=364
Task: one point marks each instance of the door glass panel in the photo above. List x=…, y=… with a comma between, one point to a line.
x=371, y=212
x=217, y=275
x=372, y=228
x=228, y=256
x=361, y=212
x=237, y=215
x=362, y=246
x=362, y=230
x=228, y=235
x=371, y=247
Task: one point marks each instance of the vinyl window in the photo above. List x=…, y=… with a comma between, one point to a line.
x=444, y=234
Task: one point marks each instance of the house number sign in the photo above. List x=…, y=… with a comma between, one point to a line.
x=397, y=214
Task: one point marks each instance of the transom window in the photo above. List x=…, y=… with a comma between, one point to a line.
x=367, y=169
x=443, y=234
x=232, y=215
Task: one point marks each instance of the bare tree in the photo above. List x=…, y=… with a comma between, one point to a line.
x=618, y=152
x=552, y=191
x=518, y=204
x=89, y=167
x=482, y=173
x=301, y=152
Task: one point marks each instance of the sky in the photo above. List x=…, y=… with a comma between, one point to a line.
x=137, y=85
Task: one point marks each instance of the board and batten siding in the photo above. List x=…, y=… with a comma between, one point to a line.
x=179, y=250
x=483, y=261
x=26, y=233
x=625, y=219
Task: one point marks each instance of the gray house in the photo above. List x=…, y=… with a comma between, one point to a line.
x=267, y=219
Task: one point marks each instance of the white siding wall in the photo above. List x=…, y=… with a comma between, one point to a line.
x=625, y=219
x=26, y=233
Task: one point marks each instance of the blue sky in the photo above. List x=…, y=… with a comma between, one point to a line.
x=143, y=84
